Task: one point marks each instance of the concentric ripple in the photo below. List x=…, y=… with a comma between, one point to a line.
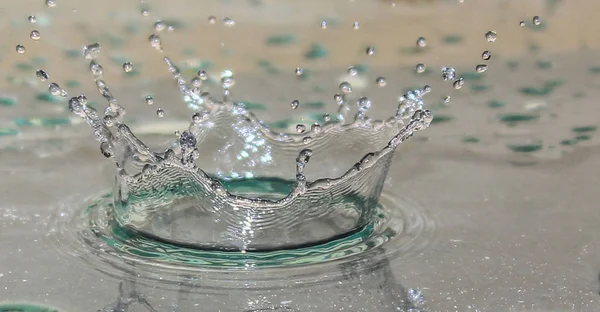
x=91, y=234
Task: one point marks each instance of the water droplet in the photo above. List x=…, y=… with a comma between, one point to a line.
x=149, y=100
x=35, y=35
x=352, y=71
x=228, y=22
x=481, y=68
x=105, y=149
x=324, y=24
x=50, y=3
x=187, y=140
x=338, y=98
x=346, y=87
x=536, y=20
x=160, y=113
x=20, y=49
x=91, y=51
x=42, y=75
x=370, y=51
x=363, y=104
x=127, y=67
x=426, y=89
x=300, y=128
x=299, y=71
x=196, y=118
x=458, y=83
x=522, y=23
x=326, y=117
x=447, y=99
x=160, y=26
x=154, y=40
x=96, y=69
x=448, y=73
x=316, y=127
x=294, y=104
x=380, y=81
x=32, y=19
x=109, y=120
x=56, y=90
x=421, y=42
x=202, y=74
x=145, y=12
x=415, y=296
x=355, y=25
x=491, y=36
x=420, y=68
x=212, y=19
x=486, y=55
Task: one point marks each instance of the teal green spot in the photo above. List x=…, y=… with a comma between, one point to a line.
x=544, y=64
x=306, y=74
x=540, y=27
x=281, y=124
x=24, y=66
x=50, y=122
x=595, y=70
x=92, y=104
x=452, y=39
x=133, y=73
x=496, y=104
x=472, y=76
x=568, y=142
x=478, y=88
x=132, y=28
x=38, y=60
x=206, y=65
x=268, y=66
x=72, y=83
x=512, y=65
x=118, y=59
x=437, y=119
x=534, y=47
x=470, y=139
x=280, y=40
x=72, y=53
x=113, y=41
x=513, y=118
x=314, y=105
x=7, y=101
x=552, y=5
x=525, y=148
x=361, y=68
x=226, y=52
x=177, y=24
x=316, y=51
x=413, y=50
x=46, y=97
x=583, y=137
x=189, y=52
x=8, y=131
x=584, y=129
x=545, y=89
x=253, y=106
x=318, y=89
x=23, y=122
x=24, y=307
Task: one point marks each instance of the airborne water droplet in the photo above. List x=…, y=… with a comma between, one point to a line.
x=56, y=90
x=35, y=35
x=486, y=55
x=144, y=12
x=127, y=67
x=363, y=104
x=421, y=42
x=42, y=75
x=160, y=26
x=294, y=104
x=370, y=51
x=324, y=24
x=51, y=3
x=32, y=19
x=154, y=40
x=299, y=71
x=448, y=73
x=212, y=19
x=447, y=99
x=381, y=81
x=149, y=100
x=491, y=36
x=481, y=68
x=20, y=49
x=352, y=71
x=355, y=25
x=420, y=68
x=522, y=23
x=458, y=83
x=228, y=22
x=91, y=51
x=160, y=113
x=300, y=128
x=202, y=74
x=536, y=20
x=346, y=87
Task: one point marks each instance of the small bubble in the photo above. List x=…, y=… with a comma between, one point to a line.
x=370, y=51
x=299, y=71
x=127, y=67
x=421, y=42
x=420, y=68
x=96, y=69
x=50, y=3
x=20, y=49
x=448, y=73
x=42, y=75
x=363, y=104
x=338, y=98
x=177, y=133
x=324, y=24
x=149, y=100
x=294, y=104
x=486, y=55
x=355, y=25
x=228, y=22
x=326, y=117
x=346, y=87
x=160, y=113
x=91, y=51
x=56, y=90
x=426, y=89
x=380, y=81
x=536, y=20
x=300, y=128
x=202, y=74
x=32, y=19
x=145, y=12
x=154, y=40
x=481, y=68
x=212, y=19
x=522, y=23
x=415, y=296
x=447, y=99
x=160, y=26
x=491, y=36
x=352, y=71
x=458, y=83
x=316, y=127
x=35, y=35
